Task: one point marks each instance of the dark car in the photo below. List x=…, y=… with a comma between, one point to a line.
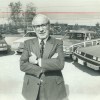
x=3, y=44
x=89, y=56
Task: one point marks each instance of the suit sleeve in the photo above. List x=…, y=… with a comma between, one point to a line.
x=26, y=66
x=55, y=63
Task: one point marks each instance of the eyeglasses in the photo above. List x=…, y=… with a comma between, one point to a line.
x=42, y=25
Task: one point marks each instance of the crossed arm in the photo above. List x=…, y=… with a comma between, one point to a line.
x=33, y=65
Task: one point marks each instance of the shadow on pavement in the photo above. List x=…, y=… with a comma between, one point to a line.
x=87, y=69
x=67, y=59
x=3, y=53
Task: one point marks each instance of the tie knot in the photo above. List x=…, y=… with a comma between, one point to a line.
x=42, y=42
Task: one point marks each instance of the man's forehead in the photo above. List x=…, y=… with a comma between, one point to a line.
x=40, y=19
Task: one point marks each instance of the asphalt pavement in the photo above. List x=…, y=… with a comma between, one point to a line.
x=82, y=83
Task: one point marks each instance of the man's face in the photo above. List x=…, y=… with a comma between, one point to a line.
x=41, y=26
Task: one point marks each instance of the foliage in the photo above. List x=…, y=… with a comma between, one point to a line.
x=15, y=15
x=28, y=15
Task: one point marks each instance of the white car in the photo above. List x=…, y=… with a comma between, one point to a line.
x=18, y=45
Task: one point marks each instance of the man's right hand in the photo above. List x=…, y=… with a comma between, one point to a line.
x=33, y=58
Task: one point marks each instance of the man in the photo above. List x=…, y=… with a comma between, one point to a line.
x=42, y=61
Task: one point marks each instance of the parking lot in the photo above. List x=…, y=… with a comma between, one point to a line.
x=82, y=83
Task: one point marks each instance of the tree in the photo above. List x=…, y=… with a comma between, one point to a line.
x=28, y=15
x=15, y=15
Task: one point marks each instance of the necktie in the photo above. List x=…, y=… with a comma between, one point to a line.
x=41, y=48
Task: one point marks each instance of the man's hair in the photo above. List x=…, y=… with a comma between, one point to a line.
x=41, y=15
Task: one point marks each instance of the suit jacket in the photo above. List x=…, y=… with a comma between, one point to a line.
x=53, y=82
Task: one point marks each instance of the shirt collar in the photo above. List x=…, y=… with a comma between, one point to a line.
x=45, y=40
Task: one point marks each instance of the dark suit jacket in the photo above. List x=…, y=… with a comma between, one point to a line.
x=53, y=82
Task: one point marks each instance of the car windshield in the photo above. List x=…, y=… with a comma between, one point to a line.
x=30, y=34
x=77, y=36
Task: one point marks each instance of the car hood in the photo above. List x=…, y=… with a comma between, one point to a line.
x=92, y=50
x=23, y=39
x=69, y=42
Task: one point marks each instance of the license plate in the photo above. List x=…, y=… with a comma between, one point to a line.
x=80, y=61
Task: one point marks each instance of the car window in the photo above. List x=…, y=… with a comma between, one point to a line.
x=30, y=34
x=79, y=36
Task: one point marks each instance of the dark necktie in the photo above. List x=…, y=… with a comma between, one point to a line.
x=41, y=48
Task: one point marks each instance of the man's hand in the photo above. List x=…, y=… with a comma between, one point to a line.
x=55, y=55
x=32, y=59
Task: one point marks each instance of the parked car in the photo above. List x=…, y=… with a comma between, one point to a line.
x=89, y=56
x=3, y=45
x=72, y=39
x=18, y=45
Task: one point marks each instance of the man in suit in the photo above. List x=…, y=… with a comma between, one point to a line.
x=42, y=61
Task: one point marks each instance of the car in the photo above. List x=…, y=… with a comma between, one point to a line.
x=89, y=56
x=18, y=44
x=4, y=47
x=73, y=38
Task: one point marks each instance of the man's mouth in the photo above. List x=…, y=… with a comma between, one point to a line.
x=42, y=33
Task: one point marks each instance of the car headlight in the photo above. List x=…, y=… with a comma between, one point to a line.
x=78, y=52
x=94, y=57
x=67, y=49
x=98, y=59
x=64, y=48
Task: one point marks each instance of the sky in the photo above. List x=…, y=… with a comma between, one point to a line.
x=65, y=11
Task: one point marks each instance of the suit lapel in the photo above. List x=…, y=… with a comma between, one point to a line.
x=48, y=47
x=36, y=48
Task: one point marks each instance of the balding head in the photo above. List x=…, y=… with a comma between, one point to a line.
x=40, y=19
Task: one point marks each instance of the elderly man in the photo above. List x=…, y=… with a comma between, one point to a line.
x=42, y=61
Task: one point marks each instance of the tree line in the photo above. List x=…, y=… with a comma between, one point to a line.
x=21, y=18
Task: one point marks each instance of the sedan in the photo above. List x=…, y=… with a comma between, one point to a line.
x=89, y=56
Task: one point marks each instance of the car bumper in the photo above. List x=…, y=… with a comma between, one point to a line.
x=87, y=62
x=67, y=54
x=3, y=49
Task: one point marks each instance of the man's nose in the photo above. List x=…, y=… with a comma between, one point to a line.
x=41, y=29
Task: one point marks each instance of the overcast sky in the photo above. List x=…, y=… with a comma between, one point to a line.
x=63, y=10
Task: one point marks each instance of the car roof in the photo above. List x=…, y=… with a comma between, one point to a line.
x=81, y=31
x=92, y=50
